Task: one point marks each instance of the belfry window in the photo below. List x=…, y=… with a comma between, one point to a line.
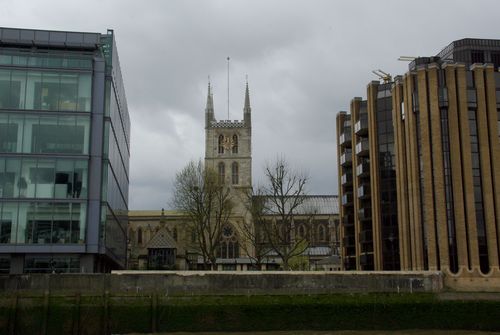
x=222, y=172
x=234, y=173
x=235, y=144
x=221, y=144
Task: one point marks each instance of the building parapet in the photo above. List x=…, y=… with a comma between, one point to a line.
x=228, y=124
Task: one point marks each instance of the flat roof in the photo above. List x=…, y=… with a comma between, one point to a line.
x=49, y=38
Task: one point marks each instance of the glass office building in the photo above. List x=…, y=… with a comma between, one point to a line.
x=64, y=152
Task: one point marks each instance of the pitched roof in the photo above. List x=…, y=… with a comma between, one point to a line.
x=318, y=251
x=161, y=240
x=334, y=259
x=313, y=204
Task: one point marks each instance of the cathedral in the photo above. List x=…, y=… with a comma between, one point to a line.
x=162, y=240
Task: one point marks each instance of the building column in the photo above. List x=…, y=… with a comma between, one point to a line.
x=401, y=176
x=374, y=174
x=426, y=156
x=413, y=178
x=492, y=106
x=470, y=208
x=486, y=176
x=440, y=223
x=456, y=168
x=354, y=109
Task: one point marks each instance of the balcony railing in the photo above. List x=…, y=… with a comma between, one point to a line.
x=362, y=148
x=365, y=214
x=347, y=199
x=364, y=191
x=346, y=179
x=361, y=127
x=345, y=139
x=363, y=169
x=346, y=159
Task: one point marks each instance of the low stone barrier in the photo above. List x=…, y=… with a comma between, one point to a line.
x=225, y=283
x=148, y=302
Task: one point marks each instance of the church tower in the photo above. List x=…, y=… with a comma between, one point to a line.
x=228, y=149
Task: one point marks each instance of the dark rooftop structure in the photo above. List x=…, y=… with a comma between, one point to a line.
x=467, y=51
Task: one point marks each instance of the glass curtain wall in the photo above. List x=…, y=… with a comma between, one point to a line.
x=45, y=90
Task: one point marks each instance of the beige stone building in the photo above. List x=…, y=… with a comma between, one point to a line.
x=444, y=144
x=447, y=118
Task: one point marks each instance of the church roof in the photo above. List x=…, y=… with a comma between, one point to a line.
x=153, y=213
x=313, y=204
x=161, y=240
x=310, y=251
x=334, y=259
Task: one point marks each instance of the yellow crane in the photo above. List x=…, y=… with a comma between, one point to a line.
x=386, y=77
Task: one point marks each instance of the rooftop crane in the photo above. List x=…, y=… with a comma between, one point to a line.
x=386, y=77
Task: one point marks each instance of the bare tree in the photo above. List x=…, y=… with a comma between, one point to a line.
x=254, y=245
x=199, y=192
x=275, y=206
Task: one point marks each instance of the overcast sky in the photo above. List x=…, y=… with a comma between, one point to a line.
x=305, y=60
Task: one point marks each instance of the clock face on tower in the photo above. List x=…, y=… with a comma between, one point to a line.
x=227, y=143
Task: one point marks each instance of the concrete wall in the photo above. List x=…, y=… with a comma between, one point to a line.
x=223, y=283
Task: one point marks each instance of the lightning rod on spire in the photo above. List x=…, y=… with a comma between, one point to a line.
x=228, y=87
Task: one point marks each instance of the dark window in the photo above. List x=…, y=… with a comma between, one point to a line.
x=221, y=144
x=477, y=56
x=58, y=139
x=139, y=236
x=450, y=217
x=5, y=230
x=321, y=233
x=61, y=264
x=235, y=173
x=8, y=137
x=235, y=144
x=161, y=259
x=478, y=191
x=495, y=59
x=222, y=172
x=4, y=265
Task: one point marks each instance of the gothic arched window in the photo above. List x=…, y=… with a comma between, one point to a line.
x=301, y=231
x=235, y=144
x=234, y=173
x=321, y=233
x=221, y=144
x=139, y=236
x=175, y=233
x=222, y=172
x=229, y=246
